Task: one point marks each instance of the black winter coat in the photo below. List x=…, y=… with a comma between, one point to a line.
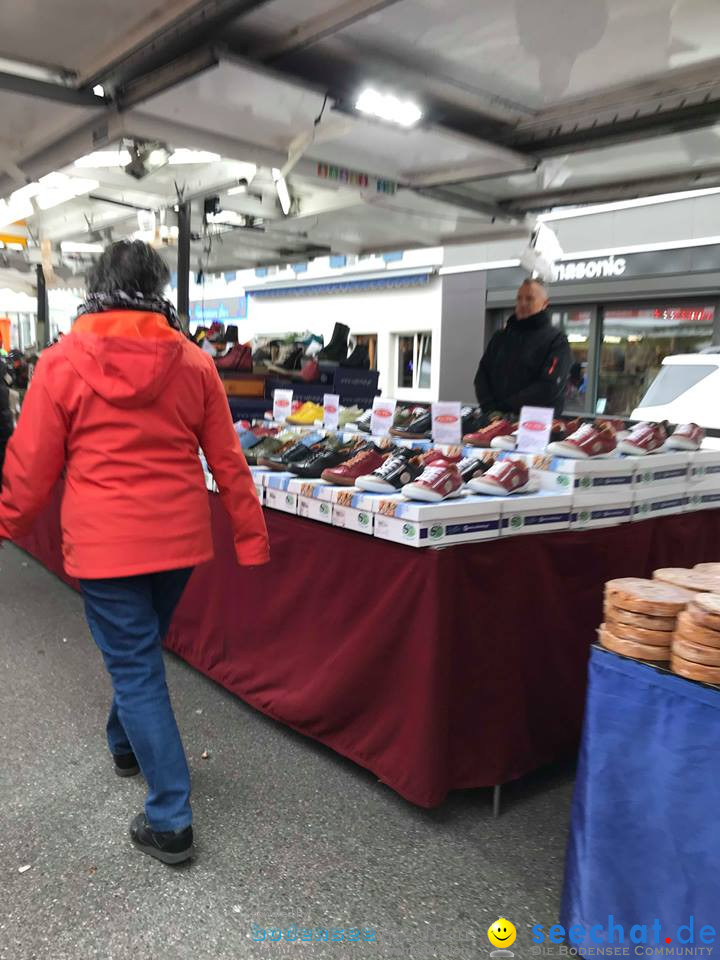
x=526, y=364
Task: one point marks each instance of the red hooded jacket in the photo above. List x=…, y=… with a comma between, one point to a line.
x=122, y=404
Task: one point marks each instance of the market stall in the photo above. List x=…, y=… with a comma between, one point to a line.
x=435, y=669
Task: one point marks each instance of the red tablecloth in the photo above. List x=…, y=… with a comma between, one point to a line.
x=435, y=669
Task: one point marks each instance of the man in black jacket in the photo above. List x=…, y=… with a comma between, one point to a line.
x=527, y=363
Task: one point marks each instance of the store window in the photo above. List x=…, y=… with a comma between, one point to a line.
x=634, y=343
x=414, y=368
x=575, y=322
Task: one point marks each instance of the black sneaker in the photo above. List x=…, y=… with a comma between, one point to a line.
x=283, y=459
x=417, y=429
x=472, y=419
x=322, y=458
x=472, y=466
x=126, y=764
x=400, y=468
x=175, y=846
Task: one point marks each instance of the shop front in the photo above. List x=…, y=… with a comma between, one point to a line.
x=623, y=315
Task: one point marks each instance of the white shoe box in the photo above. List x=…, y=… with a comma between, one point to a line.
x=660, y=500
x=313, y=489
x=666, y=469
x=361, y=521
x=704, y=494
x=604, y=475
x=704, y=465
x=277, y=495
x=542, y=512
x=604, y=509
x=314, y=509
x=465, y=519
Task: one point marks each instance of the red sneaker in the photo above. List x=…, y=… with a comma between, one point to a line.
x=504, y=478
x=688, y=436
x=484, y=437
x=363, y=463
x=589, y=441
x=432, y=456
x=644, y=438
x=441, y=481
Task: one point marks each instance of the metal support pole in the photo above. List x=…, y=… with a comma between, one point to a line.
x=497, y=790
x=183, y=261
x=43, y=318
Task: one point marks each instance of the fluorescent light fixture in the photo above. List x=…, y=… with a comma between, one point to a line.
x=386, y=106
x=70, y=246
x=104, y=158
x=182, y=156
x=99, y=90
x=230, y=218
x=282, y=190
x=473, y=267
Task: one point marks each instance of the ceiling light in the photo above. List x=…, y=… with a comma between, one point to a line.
x=193, y=156
x=99, y=90
x=386, y=106
x=145, y=157
x=282, y=190
x=104, y=158
x=70, y=246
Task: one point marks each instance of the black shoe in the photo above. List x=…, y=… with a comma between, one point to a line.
x=473, y=466
x=400, y=468
x=336, y=350
x=417, y=429
x=473, y=419
x=175, y=846
x=363, y=422
x=323, y=458
x=359, y=359
x=126, y=764
x=281, y=461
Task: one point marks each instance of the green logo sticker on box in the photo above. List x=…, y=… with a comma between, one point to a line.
x=585, y=482
x=436, y=531
x=324, y=508
x=363, y=519
x=563, y=480
x=516, y=522
x=408, y=530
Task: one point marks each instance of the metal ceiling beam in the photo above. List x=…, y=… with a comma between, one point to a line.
x=45, y=90
x=319, y=28
x=487, y=207
x=165, y=77
x=614, y=190
x=595, y=136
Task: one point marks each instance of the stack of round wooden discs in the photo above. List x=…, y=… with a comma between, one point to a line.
x=702, y=581
x=712, y=568
x=696, y=641
x=640, y=617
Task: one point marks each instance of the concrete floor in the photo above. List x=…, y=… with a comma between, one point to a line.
x=287, y=831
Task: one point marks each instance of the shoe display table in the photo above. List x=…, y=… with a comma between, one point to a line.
x=644, y=841
x=435, y=669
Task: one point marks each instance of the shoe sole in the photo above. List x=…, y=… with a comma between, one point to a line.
x=501, y=443
x=688, y=446
x=172, y=859
x=631, y=451
x=375, y=486
x=496, y=490
x=338, y=481
x=130, y=772
x=428, y=496
x=403, y=434
x=558, y=448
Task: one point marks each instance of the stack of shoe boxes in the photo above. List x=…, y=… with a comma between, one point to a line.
x=465, y=519
x=277, y=493
x=660, y=484
x=313, y=499
x=258, y=473
x=704, y=480
x=601, y=491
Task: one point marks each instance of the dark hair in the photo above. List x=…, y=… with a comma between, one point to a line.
x=130, y=266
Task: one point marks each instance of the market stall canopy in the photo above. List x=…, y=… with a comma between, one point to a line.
x=296, y=128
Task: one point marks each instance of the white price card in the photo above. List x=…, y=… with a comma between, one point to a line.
x=282, y=404
x=447, y=423
x=383, y=412
x=534, y=429
x=331, y=411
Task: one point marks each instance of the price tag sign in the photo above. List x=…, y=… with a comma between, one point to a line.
x=383, y=412
x=534, y=429
x=331, y=411
x=282, y=404
x=447, y=423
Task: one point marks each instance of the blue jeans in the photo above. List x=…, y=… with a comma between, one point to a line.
x=129, y=618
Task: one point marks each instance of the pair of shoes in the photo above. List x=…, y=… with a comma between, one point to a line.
x=419, y=427
x=443, y=479
x=367, y=459
x=126, y=764
x=294, y=451
x=306, y=416
x=336, y=350
x=402, y=467
x=170, y=847
x=323, y=456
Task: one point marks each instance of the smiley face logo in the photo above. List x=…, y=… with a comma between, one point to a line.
x=502, y=933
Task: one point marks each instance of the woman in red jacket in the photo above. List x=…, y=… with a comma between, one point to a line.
x=121, y=405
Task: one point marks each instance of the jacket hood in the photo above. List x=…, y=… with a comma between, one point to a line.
x=124, y=356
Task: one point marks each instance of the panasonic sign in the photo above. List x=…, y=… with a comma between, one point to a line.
x=589, y=269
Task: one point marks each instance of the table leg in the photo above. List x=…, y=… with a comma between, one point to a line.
x=496, y=800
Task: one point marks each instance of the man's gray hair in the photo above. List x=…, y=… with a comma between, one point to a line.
x=537, y=281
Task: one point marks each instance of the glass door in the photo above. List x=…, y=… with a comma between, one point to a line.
x=577, y=323
x=636, y=339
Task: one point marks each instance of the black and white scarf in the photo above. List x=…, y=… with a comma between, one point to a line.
x=120, y=300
